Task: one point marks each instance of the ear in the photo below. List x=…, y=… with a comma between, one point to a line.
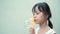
x=47, y=15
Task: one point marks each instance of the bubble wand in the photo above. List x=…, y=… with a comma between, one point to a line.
x=32, y=22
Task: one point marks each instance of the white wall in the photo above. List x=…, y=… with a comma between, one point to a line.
x=13, y=14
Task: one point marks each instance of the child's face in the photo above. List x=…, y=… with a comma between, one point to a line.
x=39, y=17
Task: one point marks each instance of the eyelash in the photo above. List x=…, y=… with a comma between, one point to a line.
x=36, y=13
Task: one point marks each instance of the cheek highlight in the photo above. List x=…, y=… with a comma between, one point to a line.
x=41, y=17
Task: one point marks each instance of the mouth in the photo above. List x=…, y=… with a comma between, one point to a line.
x=35, y=20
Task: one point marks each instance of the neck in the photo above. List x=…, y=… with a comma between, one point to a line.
x=44, y=25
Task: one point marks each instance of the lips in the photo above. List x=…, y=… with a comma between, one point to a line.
x=35, y=20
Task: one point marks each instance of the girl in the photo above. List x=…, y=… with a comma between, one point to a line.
x=42, y=14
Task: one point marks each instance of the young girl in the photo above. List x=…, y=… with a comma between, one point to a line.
x=42, y=14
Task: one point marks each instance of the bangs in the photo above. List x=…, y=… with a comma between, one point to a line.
x=40, y=8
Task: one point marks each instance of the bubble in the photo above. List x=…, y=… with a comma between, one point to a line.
x=27, y=23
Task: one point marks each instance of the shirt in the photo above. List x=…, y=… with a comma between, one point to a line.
x=51, y=31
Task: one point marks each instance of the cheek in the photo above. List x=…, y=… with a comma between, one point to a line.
x=40, y=18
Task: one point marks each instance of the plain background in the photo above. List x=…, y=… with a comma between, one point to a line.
x=13, y=14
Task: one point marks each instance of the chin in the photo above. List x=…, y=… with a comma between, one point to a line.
x=36, y=22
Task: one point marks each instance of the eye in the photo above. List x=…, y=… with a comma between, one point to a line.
x=37, y=13
x=33, y=13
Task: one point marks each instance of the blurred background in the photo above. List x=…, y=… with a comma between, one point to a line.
x=13, y=14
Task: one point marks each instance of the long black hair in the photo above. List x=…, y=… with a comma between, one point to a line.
x=45, y=9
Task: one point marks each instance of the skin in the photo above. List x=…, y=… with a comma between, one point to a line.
x=41, y=19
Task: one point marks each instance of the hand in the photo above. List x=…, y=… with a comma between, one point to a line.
x=32, y=31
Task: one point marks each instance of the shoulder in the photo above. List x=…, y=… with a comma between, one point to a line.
x=51, y=31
